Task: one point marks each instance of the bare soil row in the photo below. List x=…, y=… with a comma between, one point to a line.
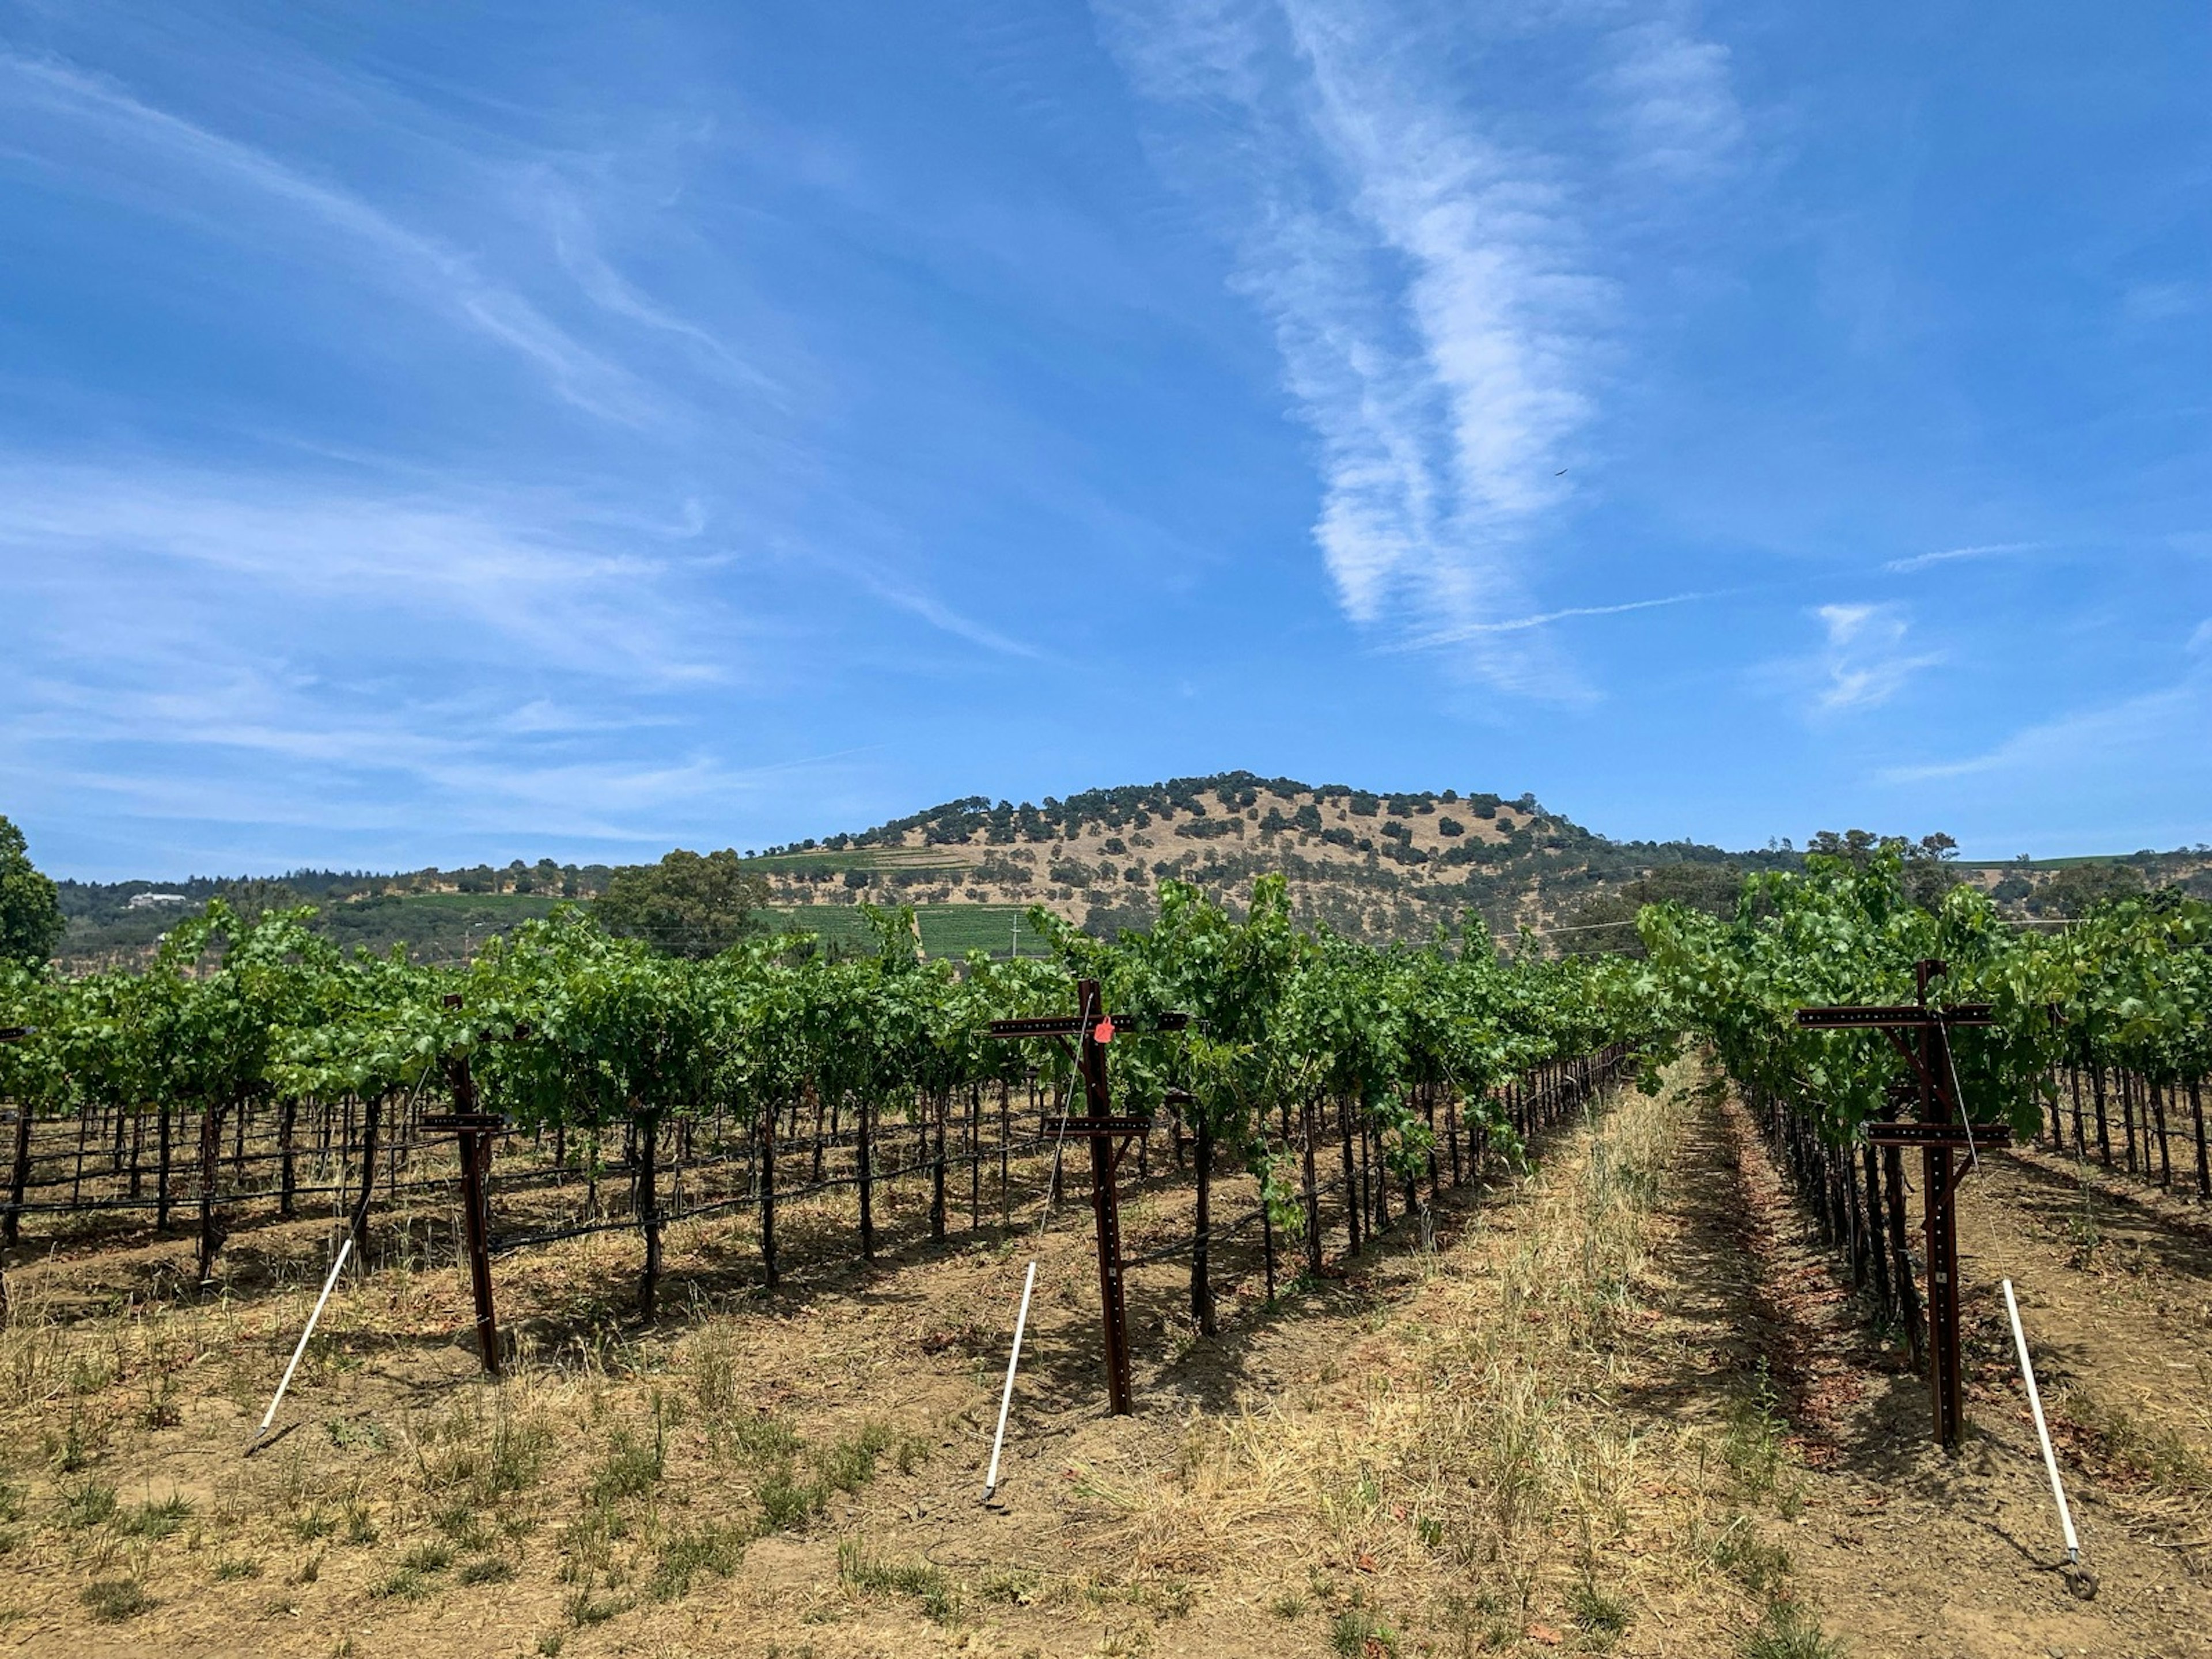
x=1620, y=1404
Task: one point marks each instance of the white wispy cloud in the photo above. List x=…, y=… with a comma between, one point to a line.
x=477, y=793
x=1441, y=314
x=944, y=617
x=1678, y=109
x=1865, y=661
x=95, y=114
x=251, y=737
x=1545, y=618
x=109, y=541
x=306, y=654
x=2165, y=727
x=2163, y=302
x=1949, y=555
x=576, y=245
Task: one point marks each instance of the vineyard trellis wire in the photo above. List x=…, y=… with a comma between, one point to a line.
x=251, y=1071
x=253, y=1075
x=2121, y=1000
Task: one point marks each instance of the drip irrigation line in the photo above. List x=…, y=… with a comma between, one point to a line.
x=1218, y=1234
x=630, y=1222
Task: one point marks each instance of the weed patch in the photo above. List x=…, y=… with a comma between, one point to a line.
x=151, y=1521
x=939, y=1594
x=1790, y=1631
x=1009, y=1585
x=1753, y=1447
x=633, y=1466
x=400, y=1584
x=1759, y=1567
x=716, y=1550
x=1355, y=1633
x=585, y=1608
x=1596, y=1614
x=88, y=1505
x=114, y=1600
x=2136, y=1450
x=313, y=1524
x=760, y=1439
x=789, y=1500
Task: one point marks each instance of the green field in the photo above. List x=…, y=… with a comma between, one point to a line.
x=435, y=926
x=947, y=929
x=2067, y=863
x=509, y=906
x=442, y=925
x=861, y=858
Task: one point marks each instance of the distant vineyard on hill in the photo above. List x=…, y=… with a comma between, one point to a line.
x=1376, y=864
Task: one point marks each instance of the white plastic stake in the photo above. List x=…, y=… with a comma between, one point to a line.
x=328, y=1284
x=2043, y=1433
x=1007, y=1399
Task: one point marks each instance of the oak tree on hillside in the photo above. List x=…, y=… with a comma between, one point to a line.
x=30, y=908
x=1608, y=922
x=2079, y=889
x=684, y=906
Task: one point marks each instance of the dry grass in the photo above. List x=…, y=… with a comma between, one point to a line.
x=627, y=1472
x=1448, y=1466
x=1469, y=1463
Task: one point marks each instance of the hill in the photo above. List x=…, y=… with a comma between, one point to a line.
x=1377, y=864
x=1380, y=866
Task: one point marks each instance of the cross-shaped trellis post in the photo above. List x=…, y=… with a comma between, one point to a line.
x=1942, y=1132
x=1092, y=1029
x=16, y=1034
x=476, y=1132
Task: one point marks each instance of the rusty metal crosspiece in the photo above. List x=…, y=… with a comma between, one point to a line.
x=1091, y=1029
x=1943, y=1132
x=476, y=1132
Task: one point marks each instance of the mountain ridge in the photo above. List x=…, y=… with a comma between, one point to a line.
x=1376, y=863
x=1379, y=864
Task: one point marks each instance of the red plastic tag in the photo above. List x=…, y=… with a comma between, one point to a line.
x=1104, y=1032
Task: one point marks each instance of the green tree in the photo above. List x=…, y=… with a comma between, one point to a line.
x=254, y=896
x=1606, y=924
x=1929, y=872
x=30, y=909
x=2080, y=888
x=684, y=906
x=1925, y=870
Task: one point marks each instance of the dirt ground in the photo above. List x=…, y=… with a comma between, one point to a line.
x=1621, y=1406
x=1910, y=1551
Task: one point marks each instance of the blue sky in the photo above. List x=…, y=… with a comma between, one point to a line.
x=433, y=433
